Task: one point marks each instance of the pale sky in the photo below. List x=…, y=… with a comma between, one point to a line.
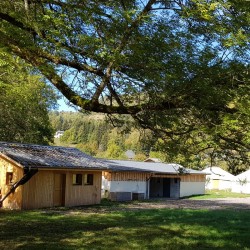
x=63, y=106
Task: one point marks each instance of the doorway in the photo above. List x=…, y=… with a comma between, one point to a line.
x=59, y=190
x=159, y=187
x=164, y=187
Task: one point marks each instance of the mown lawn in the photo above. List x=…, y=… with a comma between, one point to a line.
x=139, y=229
x=216, y=194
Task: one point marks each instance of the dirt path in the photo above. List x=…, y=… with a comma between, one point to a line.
x=210, y=204
x=225, y=203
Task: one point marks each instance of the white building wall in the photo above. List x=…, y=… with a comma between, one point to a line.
x=241, y=188
x=241, y=183
x=219, y=184
x=225, y=185
x=191, y=188
x=208, y=184
x=128, y=186
x=123, y=186
x=186, y=188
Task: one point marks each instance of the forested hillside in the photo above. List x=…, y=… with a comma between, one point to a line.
x=96, y=135
x=99, y=136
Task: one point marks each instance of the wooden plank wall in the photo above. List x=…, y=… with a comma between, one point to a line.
x=140, y=176
x=83, y=194
x=14, y=201
x=193, y=178
x=126, y=176
x=39, y=191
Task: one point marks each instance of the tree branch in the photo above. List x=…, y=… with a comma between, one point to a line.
x=16, y=23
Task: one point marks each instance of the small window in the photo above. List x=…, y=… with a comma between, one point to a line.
x=175, y=180
x=9, y=178
x=77, y=179
x=88, y=179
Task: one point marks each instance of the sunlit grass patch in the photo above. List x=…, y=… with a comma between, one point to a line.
x=120, y=230
x=216, y=194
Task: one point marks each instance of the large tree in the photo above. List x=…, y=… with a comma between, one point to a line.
x=180, y=68
x=25, y=101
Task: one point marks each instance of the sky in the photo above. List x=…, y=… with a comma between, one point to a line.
x=63, y=106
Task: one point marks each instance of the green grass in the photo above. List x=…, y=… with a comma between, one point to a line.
x=216, y=194
x=141, y=229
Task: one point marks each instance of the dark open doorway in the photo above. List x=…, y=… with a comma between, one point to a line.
x=164, y=187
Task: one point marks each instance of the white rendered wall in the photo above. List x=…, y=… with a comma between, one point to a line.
x=191, y=188
x=219, y=184
x=128, y=186
x=123, y=186
x=238, y=188
x=225, y=185
x=208, y=183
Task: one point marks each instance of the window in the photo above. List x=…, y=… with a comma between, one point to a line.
x=88, y=179
x=9, y=178
x=77, y=179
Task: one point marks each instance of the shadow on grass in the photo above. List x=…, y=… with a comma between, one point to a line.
x=147, y=229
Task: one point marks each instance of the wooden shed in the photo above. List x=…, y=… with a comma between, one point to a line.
x=35, y=176
x=128, y=180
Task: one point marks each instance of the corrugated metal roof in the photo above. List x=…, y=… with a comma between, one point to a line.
x=39, y=156
x=153, y=167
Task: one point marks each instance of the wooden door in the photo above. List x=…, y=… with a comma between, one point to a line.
x=59, y=189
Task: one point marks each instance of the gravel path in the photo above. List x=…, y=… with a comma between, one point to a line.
x=210, y=204
x=224, y=203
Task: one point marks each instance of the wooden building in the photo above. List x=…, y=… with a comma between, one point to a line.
x=128, y=180
x=35, y=176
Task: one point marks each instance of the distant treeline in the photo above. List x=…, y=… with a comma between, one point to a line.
x=101, y=137
x=96, y=135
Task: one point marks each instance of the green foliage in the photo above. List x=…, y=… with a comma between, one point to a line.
x=113, y=151
x=179, y=68
x=140, y=157
x=95, y=135
x=24, y=103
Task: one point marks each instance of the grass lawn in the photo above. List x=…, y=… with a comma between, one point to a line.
x=213, y=194
x=139, y=229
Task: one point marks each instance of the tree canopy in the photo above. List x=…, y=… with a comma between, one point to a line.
x=180, y=68
x=24, y=103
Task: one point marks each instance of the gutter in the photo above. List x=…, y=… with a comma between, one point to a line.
x=28, y=174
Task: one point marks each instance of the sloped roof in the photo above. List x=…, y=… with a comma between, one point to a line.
x=218, y=173
x=39, y=156
x=244, y=175
x=152, y=167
